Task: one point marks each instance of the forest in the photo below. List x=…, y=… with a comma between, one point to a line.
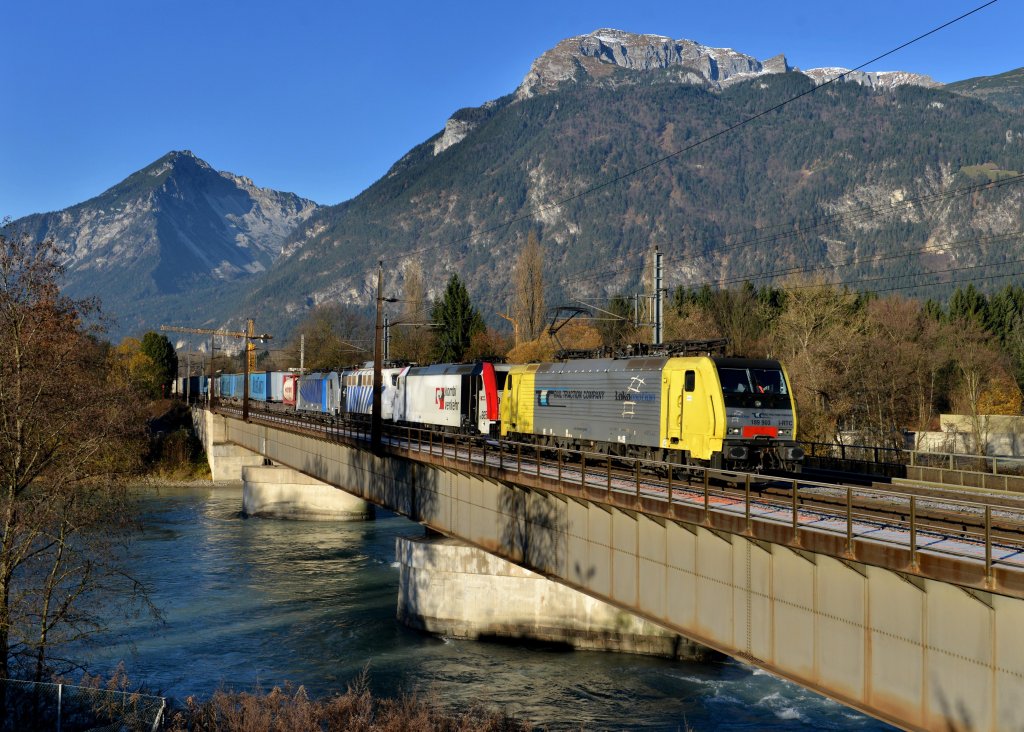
x=865, y=367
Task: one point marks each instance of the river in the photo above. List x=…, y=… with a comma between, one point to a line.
x=249, y=601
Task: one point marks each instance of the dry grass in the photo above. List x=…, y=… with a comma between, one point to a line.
x=290, y=709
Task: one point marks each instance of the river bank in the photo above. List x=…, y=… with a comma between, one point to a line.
x=253, y=601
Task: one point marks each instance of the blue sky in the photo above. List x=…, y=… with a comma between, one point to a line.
x=320, y=98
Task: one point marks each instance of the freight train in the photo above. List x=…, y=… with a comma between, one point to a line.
x=451, y=397
x=728, y=413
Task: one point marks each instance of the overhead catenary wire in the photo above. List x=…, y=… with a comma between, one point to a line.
x=870, y=259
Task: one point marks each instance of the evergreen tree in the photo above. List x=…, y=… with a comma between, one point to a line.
x=970, y=305
x=456, y=322
x=161, y=352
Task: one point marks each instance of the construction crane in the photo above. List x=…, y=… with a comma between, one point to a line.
x=249, y=334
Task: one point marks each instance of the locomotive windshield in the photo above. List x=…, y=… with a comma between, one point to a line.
x=754, y=387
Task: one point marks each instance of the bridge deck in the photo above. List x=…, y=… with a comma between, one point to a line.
x=972, y=558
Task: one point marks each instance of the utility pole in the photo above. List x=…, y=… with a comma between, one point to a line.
x=375, y=415
x=387, y=338
x=188, y=367
x=376, y=426
x=245, y=379
x=302, y=353
x=658, y=301
x=209, y=386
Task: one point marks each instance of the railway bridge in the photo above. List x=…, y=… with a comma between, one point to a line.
x=907, y=608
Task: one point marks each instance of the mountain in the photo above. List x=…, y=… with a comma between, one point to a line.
x=607, y=53
x=173, y=228
x=613, y=143
x=856, y=181
x=1003, y=90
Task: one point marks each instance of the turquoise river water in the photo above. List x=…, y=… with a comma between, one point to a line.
x=249, y=601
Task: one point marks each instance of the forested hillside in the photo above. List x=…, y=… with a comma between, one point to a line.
x=1005, y=90
x=857, y=182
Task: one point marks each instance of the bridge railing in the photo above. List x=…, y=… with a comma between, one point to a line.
x=963, y=529
x=860, y=453
x=865, y=455
x=994, y=464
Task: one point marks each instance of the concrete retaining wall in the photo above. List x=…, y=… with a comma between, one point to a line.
x=987, y=481
x=226, y=459
x=453, y=589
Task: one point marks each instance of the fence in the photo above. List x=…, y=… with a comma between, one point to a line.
x=28, y=705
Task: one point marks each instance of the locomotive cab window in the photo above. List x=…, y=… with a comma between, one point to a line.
x=750, y=387
x=690, y=381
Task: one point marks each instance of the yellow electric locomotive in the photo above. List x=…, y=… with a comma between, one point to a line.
x=721, y=412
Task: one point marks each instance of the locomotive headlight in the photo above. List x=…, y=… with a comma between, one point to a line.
x=785, y=433
x=734, y=430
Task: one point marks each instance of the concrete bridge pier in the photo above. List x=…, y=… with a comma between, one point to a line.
x=279, y=492
x=272, y=490
x=226, y=459
x=450, y=588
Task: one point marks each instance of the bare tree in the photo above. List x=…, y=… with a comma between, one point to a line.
x=528, y=289
x=411, y=337
x=815, y=337
x=335, y=336
x=976, y=360
x=69, y=429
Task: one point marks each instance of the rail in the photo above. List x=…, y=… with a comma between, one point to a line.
x=849, y=522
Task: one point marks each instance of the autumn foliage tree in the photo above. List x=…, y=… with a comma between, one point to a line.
x=68, y=430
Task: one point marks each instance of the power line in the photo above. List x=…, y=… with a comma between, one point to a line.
x=853, y=284
x=883, y=278
x=533, y=212
x=832, y=220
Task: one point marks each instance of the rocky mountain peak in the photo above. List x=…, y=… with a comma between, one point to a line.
x=575, y=57
x=175, y=224
x=872, y=79
x=597, y=54
x=600, y=54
